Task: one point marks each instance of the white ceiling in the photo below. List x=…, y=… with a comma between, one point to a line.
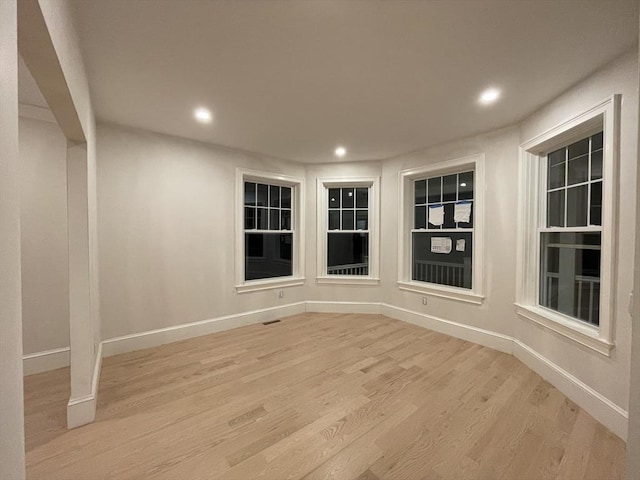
x=293, y=79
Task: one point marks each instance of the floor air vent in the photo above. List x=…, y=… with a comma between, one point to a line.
x=271, y=322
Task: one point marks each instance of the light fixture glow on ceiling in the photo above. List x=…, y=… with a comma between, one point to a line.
x=463, y=184
x=340, y=152
x=202, y=115
x=489, y=96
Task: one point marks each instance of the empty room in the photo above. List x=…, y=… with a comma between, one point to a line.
x=319, y=239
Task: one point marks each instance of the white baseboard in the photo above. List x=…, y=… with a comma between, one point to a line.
x=82, y=410
x=614, y=417
x=44, y=361
x=343, y=307
x=153, y=338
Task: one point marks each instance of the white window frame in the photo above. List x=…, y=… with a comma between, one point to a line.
x=323, y=186
x=604, y=116
x=406, y=216
x=297, y=224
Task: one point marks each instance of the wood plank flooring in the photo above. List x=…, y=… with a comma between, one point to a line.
x=318, y=396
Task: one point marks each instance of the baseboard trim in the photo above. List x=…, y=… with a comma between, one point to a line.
x=611, y=415
x=318, y=306
x=154, y=338
x=44, y=361
x=82, y=410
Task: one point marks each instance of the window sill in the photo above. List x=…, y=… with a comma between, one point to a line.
x=346, y=280
x=257, y=285
x=458, y=294
x=583, y=334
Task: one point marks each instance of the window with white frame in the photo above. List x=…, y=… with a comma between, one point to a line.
x=347, y=230
x=269, y=231
x=440, y=229
x=567, y=210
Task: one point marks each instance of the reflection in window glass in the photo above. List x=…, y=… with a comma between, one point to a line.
x=268, y=255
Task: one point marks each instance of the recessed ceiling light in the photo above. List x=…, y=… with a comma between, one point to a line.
x=340, y=152
x=202, y=115
x=489, y=96
x=463, y=184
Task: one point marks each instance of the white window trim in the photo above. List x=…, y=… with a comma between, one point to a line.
x=406, y=214
x=605, y=116
x=323, y=185
x=297, y=220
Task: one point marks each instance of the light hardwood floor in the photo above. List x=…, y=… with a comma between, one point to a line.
x=318, y=396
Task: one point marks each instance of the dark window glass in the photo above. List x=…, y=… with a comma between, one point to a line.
x=334, y=198
x=570, y=274
x=578, y=170
x=557, y=157
x=347, y=198
x=362, y=219
x=274, y=219
x=263, y=195
x=249, y=193
x=285, y=219
x=449, y=188
x=262, y=218
x=596, y=141
x=334, y=219
x=421, y=217
x=556, y=175
x=596, y=203
x=347, y=220
x=596, y=165
x=268, y=255
x=555, y=209
x=285, y=197
x=274, y=196
x=362, y=198
x=449, y=219
x=348, y=253
x=465, y=186
x=435, y=189
x=249, y=218
x=579, y=148
x=453, y=269
x=420, y=192
x=577, y=206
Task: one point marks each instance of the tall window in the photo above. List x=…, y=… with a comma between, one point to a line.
x=571, y=234
x=348, y=235
x=442, y=235
x=440, y=242
x=348, y=231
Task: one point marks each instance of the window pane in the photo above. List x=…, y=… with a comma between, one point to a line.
x=348, y=253
x=468, y=224
x=347, y=220
x=249, y=218
x=449, y=219
x=555, y=209
x=362, y=197
x=362, y=219
x=274, y=196
x=249, y=193
x=596, y=141
x=267, y=255
x=557, y=157
x=420, y=217
x=263, y=195
x=449, y=188
x=262, y=218
x=596, y=204
x=285, y=219
x=577, y=206
x=334, y=219
x=435, y=190
x=347, y=198
x=578, y=170
x=596, y=165
x=285, y=197
x=570, y=274
x=579, y=148
x=274, y=219
x=556, y=176
x=465, y=186
x=420, y=192
x=334, y=198
x=453, y=268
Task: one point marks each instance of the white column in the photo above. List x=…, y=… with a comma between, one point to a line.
x=81, y=408
x=12, y=462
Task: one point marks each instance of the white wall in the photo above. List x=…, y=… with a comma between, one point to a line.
x=45, y=267
x=166, y=231
x=608, y=376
